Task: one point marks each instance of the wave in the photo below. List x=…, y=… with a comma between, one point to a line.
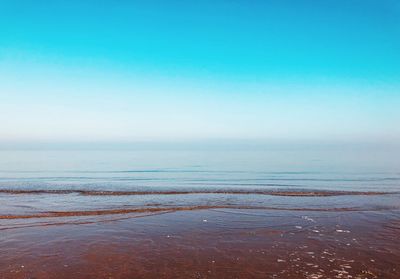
x=289, y=193
x=216, y=180
x=47, y=223
x=100, y=212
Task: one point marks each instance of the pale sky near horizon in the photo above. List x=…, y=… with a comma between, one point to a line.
x=189, y=70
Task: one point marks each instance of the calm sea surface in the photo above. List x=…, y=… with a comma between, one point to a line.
x=327, y=178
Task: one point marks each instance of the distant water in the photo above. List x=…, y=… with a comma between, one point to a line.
x=35, y=182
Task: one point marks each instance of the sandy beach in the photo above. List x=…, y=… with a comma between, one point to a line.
x=204, y=243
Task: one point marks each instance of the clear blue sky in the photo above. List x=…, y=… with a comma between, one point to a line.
x=176, y=70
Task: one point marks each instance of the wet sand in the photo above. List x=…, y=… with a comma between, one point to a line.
x=204, y=243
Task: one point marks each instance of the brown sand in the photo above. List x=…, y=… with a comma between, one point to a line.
x=203, y=243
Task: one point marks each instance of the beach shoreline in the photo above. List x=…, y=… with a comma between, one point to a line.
x=204, y=243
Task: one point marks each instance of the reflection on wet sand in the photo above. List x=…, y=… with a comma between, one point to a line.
x=205, y=243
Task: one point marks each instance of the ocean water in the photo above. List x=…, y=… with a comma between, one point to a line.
x=236, y=211
x=42, y=182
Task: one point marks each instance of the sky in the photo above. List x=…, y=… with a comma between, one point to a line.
x=125, y=71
